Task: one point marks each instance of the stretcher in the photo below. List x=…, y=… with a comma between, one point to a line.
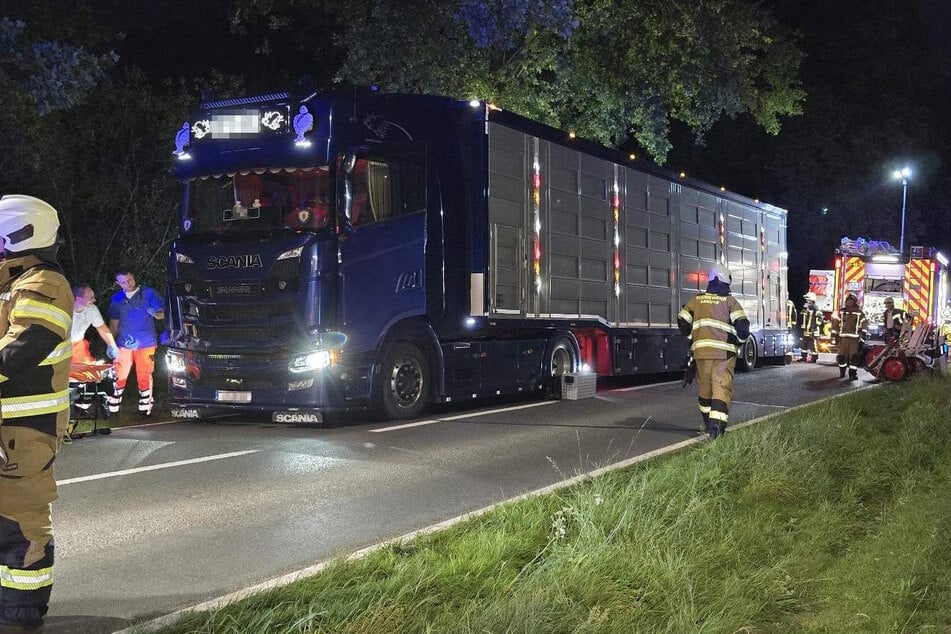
x=90, y=384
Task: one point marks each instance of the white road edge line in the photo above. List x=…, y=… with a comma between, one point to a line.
x=460, y=416
x=762, y=404
x=154, y=467
x=291, y=577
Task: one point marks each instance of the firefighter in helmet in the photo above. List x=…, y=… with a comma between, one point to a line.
x=716, y=325
x=810, y=324
x=848, y=329
x=892, y=320
x=35, y=315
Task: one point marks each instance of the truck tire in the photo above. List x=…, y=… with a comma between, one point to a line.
x=748, y=356
x=561, y=358
x=405, y=382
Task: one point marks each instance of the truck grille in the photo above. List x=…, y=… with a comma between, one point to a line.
x=225, y=379
x=242, y=335
x=209, y=313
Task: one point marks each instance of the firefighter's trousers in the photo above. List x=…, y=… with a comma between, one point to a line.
x=849, y=353
x=810, y=345
x=144, y=361
x=715, y=384
x=26, y=532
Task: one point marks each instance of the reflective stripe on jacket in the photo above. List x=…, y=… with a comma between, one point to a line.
x=716, y=324
x=849, y=323
x=810, y=320
x=36, y=311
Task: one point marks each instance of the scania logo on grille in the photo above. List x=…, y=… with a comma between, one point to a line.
x=250, y=261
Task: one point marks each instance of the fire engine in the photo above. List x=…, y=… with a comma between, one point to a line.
x=873, y=271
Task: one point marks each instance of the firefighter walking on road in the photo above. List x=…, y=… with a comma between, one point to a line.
x=716, y=325
x=848, y=330
x=810, y=324
x=35, y=315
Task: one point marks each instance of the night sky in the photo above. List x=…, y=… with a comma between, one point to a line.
x=877, y=74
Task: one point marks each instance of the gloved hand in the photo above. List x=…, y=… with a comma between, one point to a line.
x=152, y=312
x=113, y=351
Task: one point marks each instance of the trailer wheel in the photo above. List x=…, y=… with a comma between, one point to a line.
x=748, y=356
x=404, y=382
x=562, y=358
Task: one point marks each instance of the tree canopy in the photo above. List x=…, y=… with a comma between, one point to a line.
x=606, y=69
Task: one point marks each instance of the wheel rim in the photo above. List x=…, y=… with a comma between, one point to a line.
x=894, y=369
x=749, y=353
x=560, y=361
x=406, y=382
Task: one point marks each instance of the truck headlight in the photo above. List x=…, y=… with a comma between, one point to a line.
x=175, y=362
x=317, y=360
x=326, y=348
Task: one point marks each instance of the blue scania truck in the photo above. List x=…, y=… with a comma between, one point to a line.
x=362, y=250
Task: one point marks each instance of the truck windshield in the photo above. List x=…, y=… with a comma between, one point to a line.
x=260, y=201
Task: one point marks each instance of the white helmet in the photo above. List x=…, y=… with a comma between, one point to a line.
x=720, y=272
x=810, y=297
x=27, y=223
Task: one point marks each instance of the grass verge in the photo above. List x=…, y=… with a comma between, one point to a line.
x=826, y=519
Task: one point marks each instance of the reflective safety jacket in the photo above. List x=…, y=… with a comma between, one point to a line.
x=792, y=315
x=715, y=323
x=810, y=320
x=36, y=311
x=849, y=323
x=897, y=318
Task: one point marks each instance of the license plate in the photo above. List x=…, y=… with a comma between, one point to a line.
x=224, y=396
x=235, y=289
x=297, y=417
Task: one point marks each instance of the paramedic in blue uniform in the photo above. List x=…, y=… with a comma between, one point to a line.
x=132, y=316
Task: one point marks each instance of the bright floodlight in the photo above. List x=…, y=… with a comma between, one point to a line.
x=904, y=172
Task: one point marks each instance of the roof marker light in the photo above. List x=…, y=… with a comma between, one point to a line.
x=475, y=103
x=940, y=257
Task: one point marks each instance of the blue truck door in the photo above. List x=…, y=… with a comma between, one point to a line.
x=383, y=241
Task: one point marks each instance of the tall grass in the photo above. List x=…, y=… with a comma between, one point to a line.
x=829, y=518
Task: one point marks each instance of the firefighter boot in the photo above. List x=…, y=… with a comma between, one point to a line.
x=853, y=375
x=841, y=372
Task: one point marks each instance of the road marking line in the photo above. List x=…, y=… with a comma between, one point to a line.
x=496, y=411
x=460, y=416
x=154, y=467
x=643, y=387
x=407, y=425
x=285, y=580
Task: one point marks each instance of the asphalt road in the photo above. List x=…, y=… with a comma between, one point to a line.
x=156, y=518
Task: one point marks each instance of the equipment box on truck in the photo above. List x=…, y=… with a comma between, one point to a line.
x=345, y=251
